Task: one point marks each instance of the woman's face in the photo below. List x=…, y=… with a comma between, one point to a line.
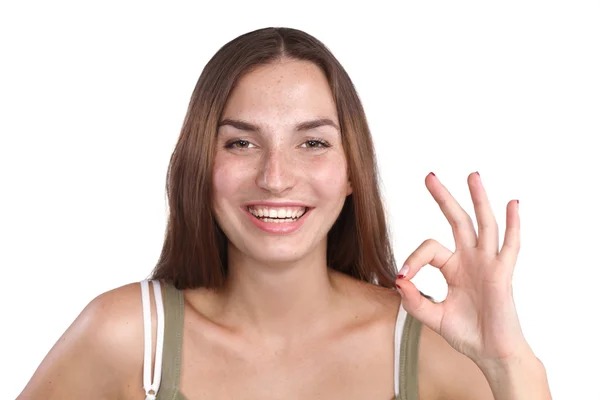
x=279, y=174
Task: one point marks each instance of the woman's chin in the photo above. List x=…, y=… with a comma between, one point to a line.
x=279, y=255
x=279, y=250
x=279, y=258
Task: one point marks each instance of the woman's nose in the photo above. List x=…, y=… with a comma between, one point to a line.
x=276, y=172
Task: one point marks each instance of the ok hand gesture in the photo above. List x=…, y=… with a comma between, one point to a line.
x=478, y=317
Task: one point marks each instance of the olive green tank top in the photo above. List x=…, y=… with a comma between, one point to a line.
x=407, y=354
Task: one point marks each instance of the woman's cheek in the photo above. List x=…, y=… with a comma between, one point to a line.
x=329, y=172
x=228, y=170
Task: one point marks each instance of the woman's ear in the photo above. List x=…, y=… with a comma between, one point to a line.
x=349, y=188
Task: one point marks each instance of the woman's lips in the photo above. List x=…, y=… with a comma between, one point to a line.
x=278, y=227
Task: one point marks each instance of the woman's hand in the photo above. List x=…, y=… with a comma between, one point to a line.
x=478, y=317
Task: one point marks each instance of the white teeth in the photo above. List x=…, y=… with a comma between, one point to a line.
x=279, y=214
x=278, y=221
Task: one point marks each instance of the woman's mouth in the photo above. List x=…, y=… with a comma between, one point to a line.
x=277, y=214
x=278, y=219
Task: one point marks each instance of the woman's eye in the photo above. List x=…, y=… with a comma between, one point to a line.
x=315, y=144
x=238, y=144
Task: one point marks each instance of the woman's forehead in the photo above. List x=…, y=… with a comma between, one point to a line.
x=294, y=90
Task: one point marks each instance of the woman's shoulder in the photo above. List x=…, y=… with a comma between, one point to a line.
x=115, y=317
x=117, y=314
x=370, y=304
x=100, y=352
x=369, y=294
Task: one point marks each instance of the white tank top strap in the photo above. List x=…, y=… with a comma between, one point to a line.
x=400, y=319
x=151, y=386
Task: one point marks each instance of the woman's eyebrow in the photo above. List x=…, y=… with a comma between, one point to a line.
x=303, y=126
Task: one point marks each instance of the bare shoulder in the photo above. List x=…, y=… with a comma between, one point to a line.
x=445, y=373
x=369, y=300
x=98, y=354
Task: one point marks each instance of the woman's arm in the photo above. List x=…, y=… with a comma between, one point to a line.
x=523, y=377
x=455, y=376
x=97, y=353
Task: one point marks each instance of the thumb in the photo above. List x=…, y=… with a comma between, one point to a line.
x=419, y=305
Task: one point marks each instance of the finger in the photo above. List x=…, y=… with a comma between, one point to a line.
x=487, y=227
x=430, y=252
x=421, y=308
x=461, y=223
x=512, y=236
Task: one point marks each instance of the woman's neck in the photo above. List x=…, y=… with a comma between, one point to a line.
x=282, y=301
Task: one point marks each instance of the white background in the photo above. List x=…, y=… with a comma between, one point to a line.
x=92, y=98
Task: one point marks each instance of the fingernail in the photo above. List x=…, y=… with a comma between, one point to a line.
x=400, y=291
x=431, y=173
x=403, y=272
x=477, y=172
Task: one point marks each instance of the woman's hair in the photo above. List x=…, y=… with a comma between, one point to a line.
x=194, y=252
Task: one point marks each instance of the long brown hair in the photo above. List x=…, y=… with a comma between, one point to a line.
x=194, y=252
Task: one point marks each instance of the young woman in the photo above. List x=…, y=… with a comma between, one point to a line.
x=277, y=278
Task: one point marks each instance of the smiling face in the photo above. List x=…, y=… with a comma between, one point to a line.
x=279, y=175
